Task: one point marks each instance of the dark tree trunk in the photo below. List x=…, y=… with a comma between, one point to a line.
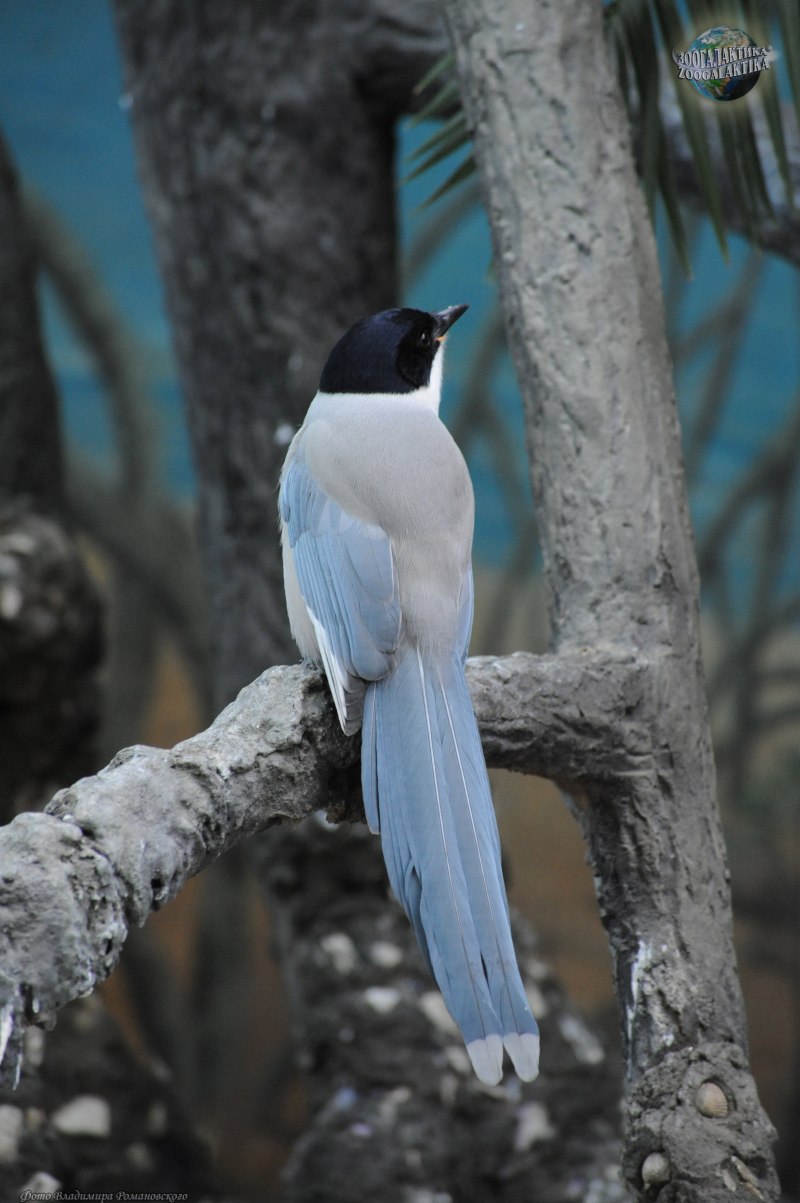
x=49, y=614
x=90, y=1119
x=579, y=279
x=266, y=153
x=397, y=1112
x=265, y=135
x=30, y=445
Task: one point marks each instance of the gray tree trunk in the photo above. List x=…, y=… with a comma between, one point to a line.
x=265, y=137
x=579, y=281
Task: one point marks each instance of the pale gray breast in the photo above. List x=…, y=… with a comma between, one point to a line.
x=398, y=466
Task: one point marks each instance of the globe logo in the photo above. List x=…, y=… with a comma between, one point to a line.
x=723, y=63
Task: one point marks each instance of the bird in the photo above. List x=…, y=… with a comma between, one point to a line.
x=376, y=514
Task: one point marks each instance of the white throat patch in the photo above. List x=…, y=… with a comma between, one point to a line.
x=430, y=396
x=427, y=397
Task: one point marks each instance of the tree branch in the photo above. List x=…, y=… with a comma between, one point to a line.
x=115, y=846
x=578, y=274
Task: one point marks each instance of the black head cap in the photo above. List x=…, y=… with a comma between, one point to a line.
x=390, y=352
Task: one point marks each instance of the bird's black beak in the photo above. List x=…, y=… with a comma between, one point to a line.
x=444, y=319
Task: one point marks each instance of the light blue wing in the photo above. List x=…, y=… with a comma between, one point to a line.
x=348, y=579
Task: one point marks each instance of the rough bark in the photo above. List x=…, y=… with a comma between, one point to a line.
x=115, y=846
x=579, y=279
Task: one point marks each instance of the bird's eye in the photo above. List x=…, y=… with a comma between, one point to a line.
x=424, y=339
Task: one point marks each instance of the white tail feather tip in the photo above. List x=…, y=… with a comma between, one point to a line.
x=487, y=1059
x=523, y=1049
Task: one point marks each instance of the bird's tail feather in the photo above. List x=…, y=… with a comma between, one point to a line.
x=427, y=791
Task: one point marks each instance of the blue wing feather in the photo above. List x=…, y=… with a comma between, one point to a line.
x=346, y=573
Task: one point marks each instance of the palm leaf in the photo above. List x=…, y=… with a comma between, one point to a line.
x=789, y=25
x=461, y=173
x=445, y=63
x=669, y=21
x=672, y=209
x=440, y=147
x=750, y=160
x=635, y=20
x=439, y=226
x=641, y=33
x=743, y=164
x=768, y=93
x=443, y=101
x=448, y=131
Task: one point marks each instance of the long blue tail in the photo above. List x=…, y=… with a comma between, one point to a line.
x=426, y=790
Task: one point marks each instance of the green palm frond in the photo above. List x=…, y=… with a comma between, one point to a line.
x=632, y=27
x=463, y=172
x=789, y=25
x=758, y=29
x=669, y=23
x=642, y=35
x=438, y=69
x=451, y=136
